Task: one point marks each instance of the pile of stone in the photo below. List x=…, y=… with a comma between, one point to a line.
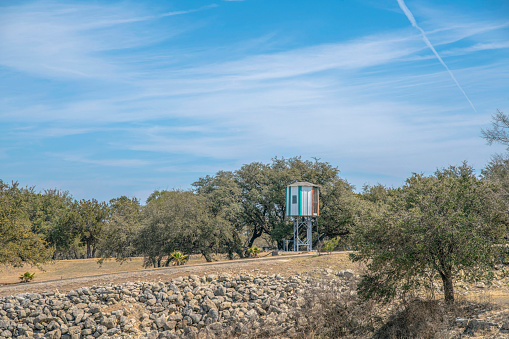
x=209, y=306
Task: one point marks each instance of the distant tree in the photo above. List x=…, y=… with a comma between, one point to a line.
x=46, y=211
x=378, y=194
x=435, y=227
x=178, y=221
x=46, y=208
x=19, y=245
x=499, y=131
x=120, y=231
x=65, y=238
x=85, y=222
x=223, y=195
x=341, y=209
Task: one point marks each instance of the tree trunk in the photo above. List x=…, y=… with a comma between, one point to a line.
x=230, y=254
x=448, y=287
x=207, y=256
x=256, y=235
x=280, y=244
x=89, y=250
x=235, y=245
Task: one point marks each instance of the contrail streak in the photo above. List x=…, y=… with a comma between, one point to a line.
x=428, y=43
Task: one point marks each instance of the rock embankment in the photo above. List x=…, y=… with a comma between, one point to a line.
x=208, y=306
x=213, y=306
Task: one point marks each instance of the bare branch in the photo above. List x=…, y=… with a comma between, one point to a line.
x=499, y=132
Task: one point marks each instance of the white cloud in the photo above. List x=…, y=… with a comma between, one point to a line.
x=101, y=162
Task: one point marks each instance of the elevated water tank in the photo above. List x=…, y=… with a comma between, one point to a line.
x=302, y=199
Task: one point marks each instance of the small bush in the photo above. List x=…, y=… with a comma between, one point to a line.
x=330, y=245
x=332, y=310
x=254, y=251
x=419, y=319
x=26, y=277
x=179, y=258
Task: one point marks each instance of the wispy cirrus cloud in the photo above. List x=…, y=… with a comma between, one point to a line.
x=69, y=40
x=477, y=48
x=116, y=86
x=238, y=98
x=102, y=162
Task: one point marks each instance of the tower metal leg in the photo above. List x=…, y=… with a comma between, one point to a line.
x=309, y=235
x=298, y=223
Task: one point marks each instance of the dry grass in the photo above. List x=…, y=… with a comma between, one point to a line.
x=62, y=269
x=68, y=269
x=333, y=310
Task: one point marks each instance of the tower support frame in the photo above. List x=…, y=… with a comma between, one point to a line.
x=300, y=223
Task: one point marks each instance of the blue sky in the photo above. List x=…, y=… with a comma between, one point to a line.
x=111, y=98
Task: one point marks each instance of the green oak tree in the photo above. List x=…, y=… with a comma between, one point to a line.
x=178, y=221
x=19, y=245
x=85, y=221
x=223, y=195
x=120, y=231
x=441, y=226
x=341, y=209
x=45, y=208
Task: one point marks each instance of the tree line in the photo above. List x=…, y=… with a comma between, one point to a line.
x=222, y=213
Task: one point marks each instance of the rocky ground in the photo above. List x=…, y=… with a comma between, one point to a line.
x=207, y=306
x=253, y=304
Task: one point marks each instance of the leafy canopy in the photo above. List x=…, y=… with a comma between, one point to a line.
x=119, y=234
x=178, y=221
x=19, y=245
x=441, y=226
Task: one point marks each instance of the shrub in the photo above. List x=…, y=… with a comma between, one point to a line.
x=26, y=277
x=179, y=258
x=330, y=245
x=333, y=311
x=254, y=251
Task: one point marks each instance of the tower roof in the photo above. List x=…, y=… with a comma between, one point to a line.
x=304, y=184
